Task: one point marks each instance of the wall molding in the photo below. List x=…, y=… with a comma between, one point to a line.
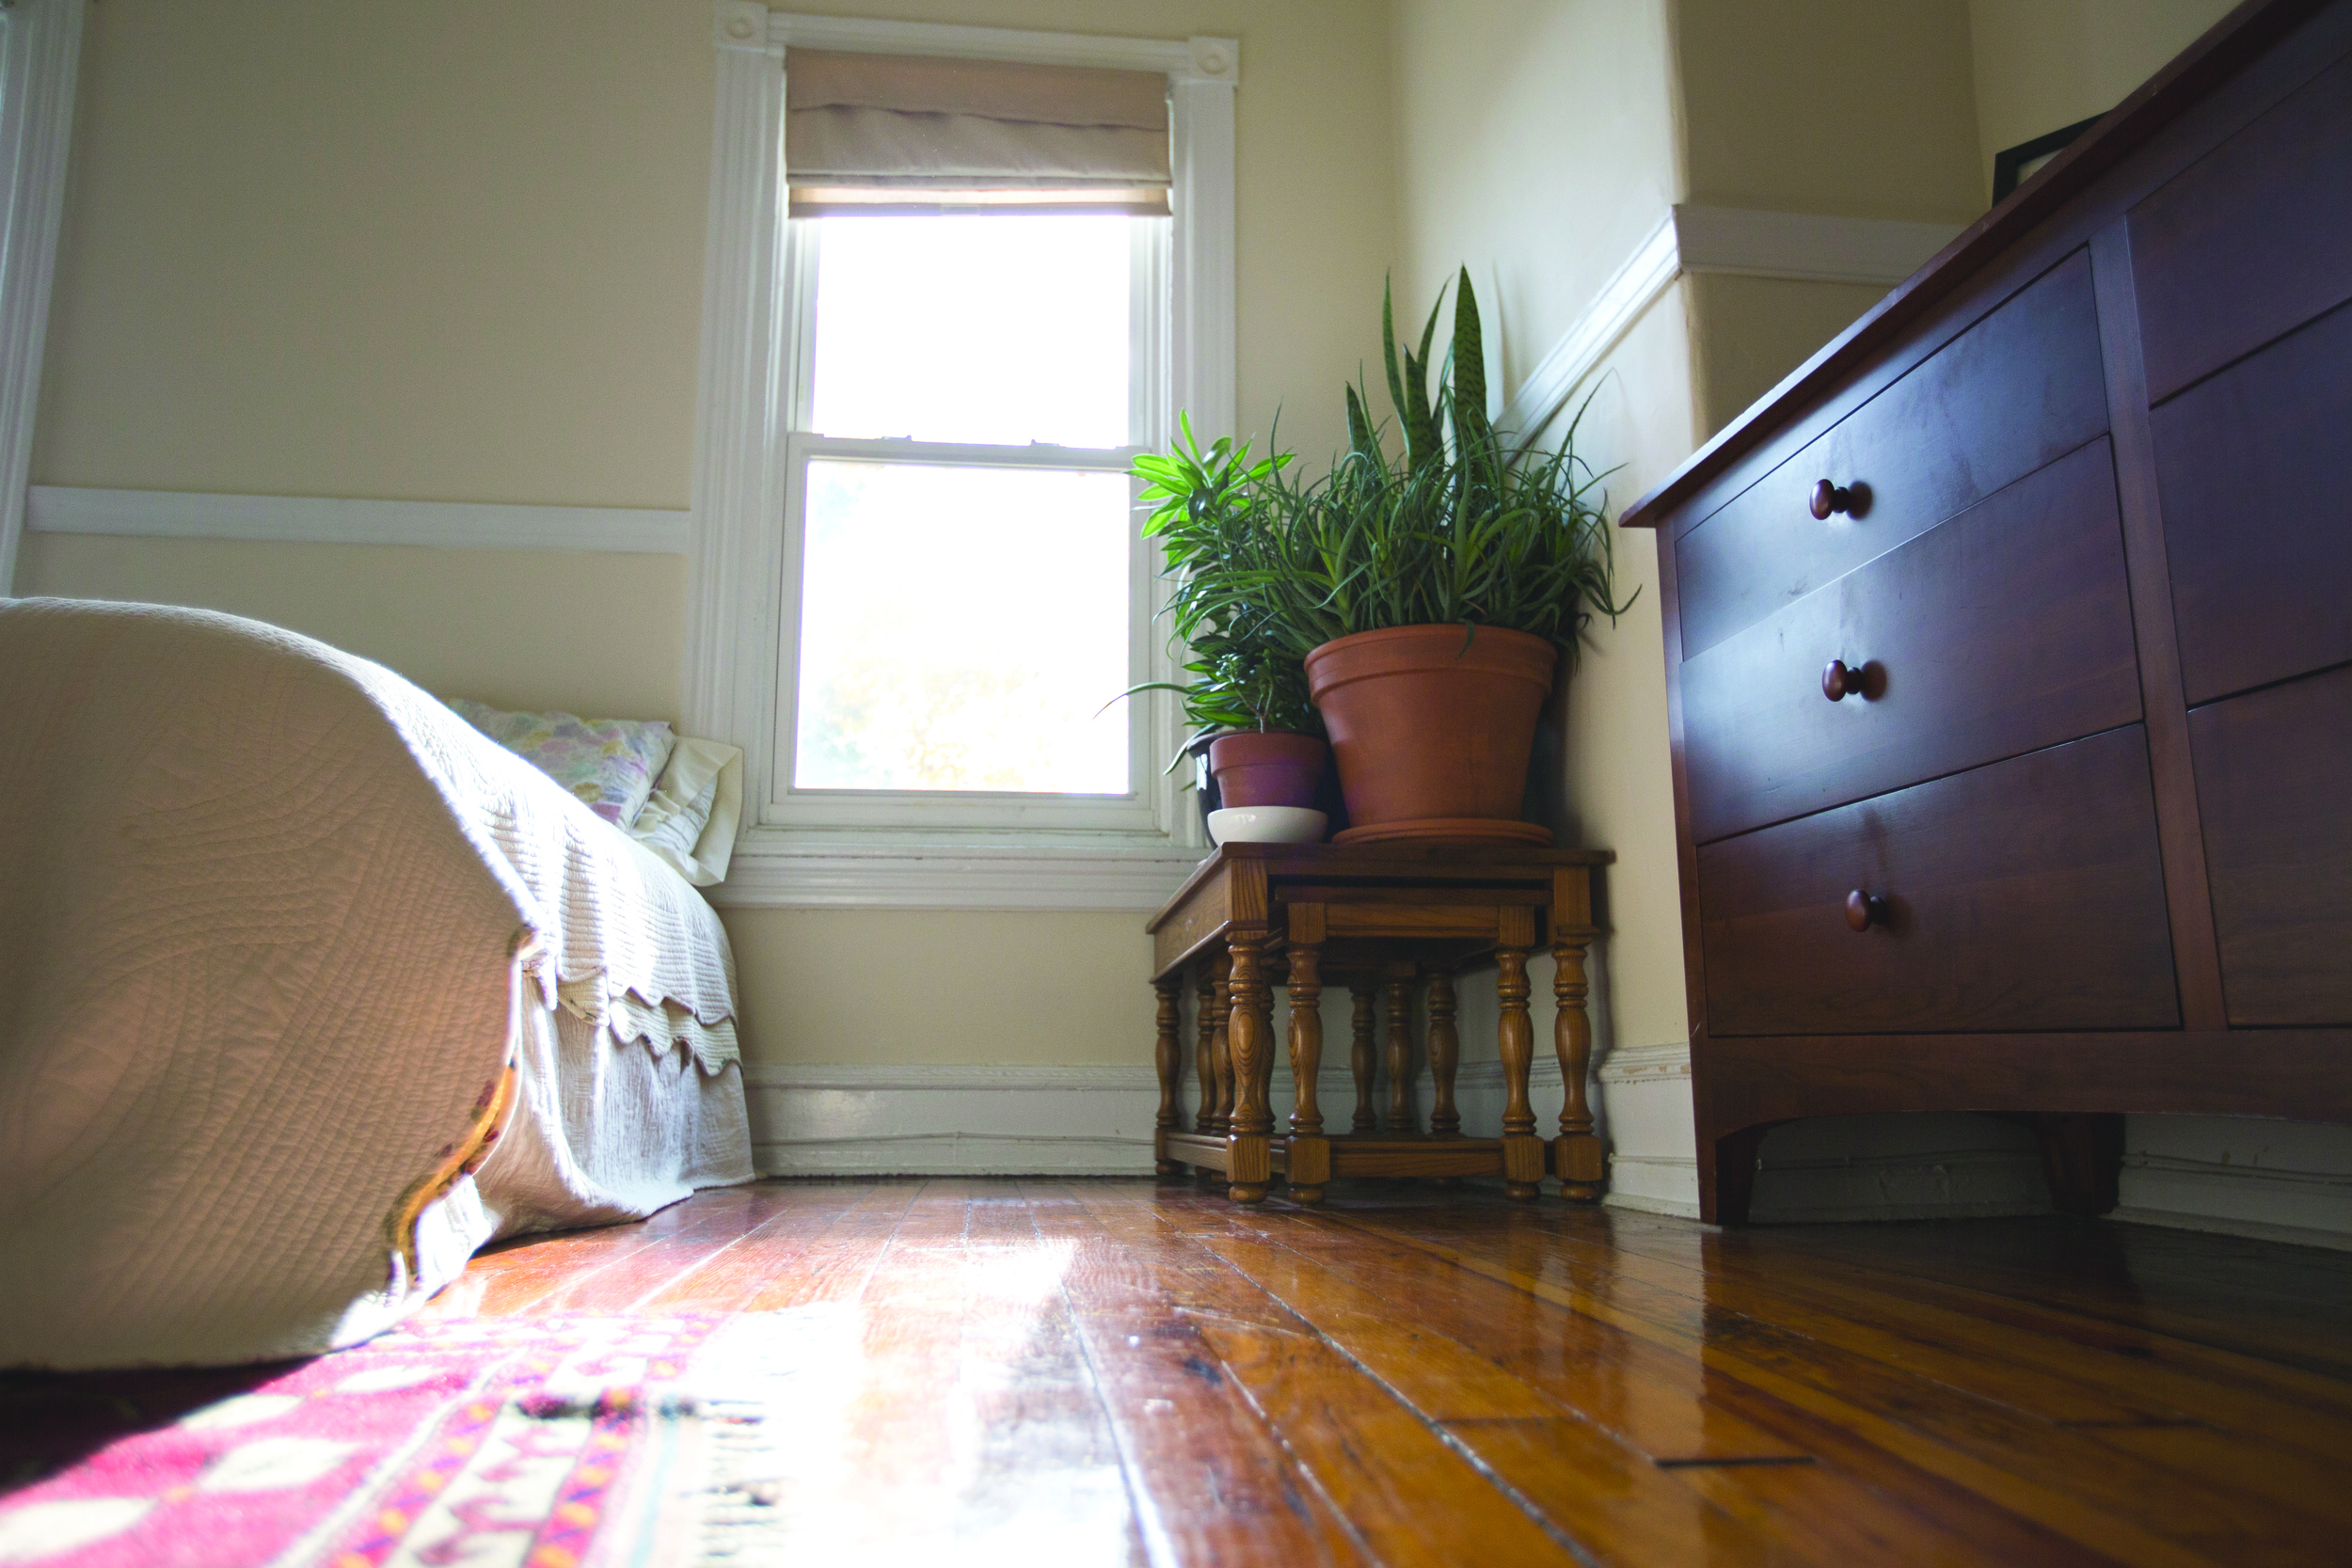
x=1208, y=59
x=951, y=876
x=323, y=520
x=1805, y=246
x=44, y=60
x=1631, y=290
x=1642, y=1064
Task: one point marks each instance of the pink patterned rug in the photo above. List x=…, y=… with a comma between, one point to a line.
x=516, y=1442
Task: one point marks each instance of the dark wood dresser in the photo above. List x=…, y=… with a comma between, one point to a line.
x=2008, y=650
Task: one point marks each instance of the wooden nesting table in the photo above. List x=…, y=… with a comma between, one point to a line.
x=1384, y=918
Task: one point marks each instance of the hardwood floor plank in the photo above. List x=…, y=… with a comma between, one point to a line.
x=1612, y=1501
x=2154, y=1525
x=704, y=1229
x=1843, y=1507
x=735, y=1276
x=836, y=1267
x=955, y=1412
x=526, y=1271
x=1094, y=1372
x=1411, y=1496
x=1211, y=1483
x=2172, y=1380
x=2104, y=1270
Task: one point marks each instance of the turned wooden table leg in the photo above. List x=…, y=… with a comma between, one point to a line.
x=1522, y=1151
x=1249, y=1133
x=1168, y=1055
x=1204, y=1048
x=1221, y=1047
x=1445, y=1051
x=1445, y=1054
x=1576, y=1154
x=1309, y=1152
x=1361, y=1056
x=1400, y=1000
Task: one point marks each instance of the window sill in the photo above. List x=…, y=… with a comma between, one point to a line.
x=975, y=871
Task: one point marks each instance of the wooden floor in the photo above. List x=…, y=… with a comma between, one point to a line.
x=1115, y=1372
x=1416, y=1377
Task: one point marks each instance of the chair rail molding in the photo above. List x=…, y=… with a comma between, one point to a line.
x=1804, y=247
x=42, y=56
x=325, y=520
x=734, y=616
x=864, y=874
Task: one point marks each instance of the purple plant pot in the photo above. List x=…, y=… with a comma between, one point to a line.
x=1256, y=769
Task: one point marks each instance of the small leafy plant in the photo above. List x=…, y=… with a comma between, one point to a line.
x=1208, y=504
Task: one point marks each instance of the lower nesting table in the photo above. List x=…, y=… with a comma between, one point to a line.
x=1384, y=918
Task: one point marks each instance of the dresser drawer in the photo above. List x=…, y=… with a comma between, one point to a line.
x=2274, y=786
x=2254, y=466
x=2027, y=894
x=2004, y=630
x=2250, y=240
x=2021, y=388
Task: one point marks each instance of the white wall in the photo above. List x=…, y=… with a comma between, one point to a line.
x=2045, y=64
x=443, y=251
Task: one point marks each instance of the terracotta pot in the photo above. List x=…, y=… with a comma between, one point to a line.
x=1433, y=736
x=1266, y=769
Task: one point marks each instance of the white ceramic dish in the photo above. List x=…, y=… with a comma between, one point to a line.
x=1267, y=825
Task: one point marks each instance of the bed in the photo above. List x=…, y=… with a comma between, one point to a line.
x=308, y=989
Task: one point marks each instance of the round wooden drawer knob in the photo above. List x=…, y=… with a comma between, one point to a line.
x=1840, y=680
x=1865, y=910
x=1829, y=497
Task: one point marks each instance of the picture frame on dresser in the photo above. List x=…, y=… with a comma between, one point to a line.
x=2008, y=653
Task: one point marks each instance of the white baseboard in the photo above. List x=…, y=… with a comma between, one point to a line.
x=1653, y=1184
x=2277, y=1180
x=958, y=1121
x=1930, y=1167
x=924, y=1120
x=323, y=520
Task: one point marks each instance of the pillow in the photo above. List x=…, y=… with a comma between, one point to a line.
x=607, y=764
x=691, y=817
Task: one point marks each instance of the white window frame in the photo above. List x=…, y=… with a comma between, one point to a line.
x=1142, y=809
x=41, y=49
x=1035, y=852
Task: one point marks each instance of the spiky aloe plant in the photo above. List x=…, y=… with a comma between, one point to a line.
x=1467, y=525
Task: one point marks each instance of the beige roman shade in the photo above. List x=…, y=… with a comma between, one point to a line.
x=908, y=133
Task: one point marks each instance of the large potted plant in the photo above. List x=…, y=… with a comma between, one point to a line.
x=1247, y=696
x=1459, y=574
x=1429, y=595
x=1433, y=595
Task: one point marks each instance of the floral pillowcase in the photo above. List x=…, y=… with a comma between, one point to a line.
x=609, y=763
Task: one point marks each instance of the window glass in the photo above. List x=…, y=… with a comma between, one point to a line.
x=996, y=330
x=961, y=628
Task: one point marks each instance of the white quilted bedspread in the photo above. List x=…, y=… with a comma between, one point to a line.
x=274, y=927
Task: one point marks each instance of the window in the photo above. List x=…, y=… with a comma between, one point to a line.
x=963, y=569
x=918, y=578
x=41, y=44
